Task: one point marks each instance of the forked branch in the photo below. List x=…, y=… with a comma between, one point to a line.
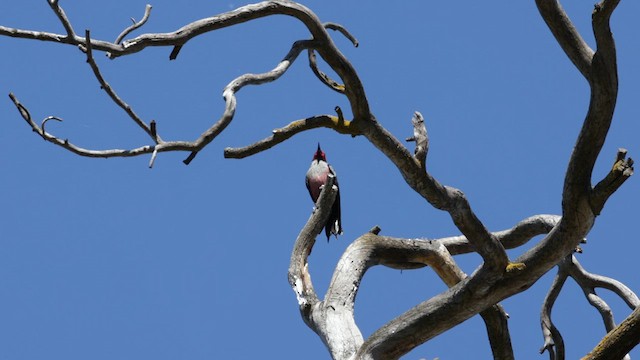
x=497, y=278
x=320, y=41
x=135, y=25
x=588, y=282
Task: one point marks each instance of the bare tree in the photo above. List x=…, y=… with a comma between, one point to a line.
x=498, y=277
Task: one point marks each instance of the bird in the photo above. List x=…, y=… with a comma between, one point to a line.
x=315, y=179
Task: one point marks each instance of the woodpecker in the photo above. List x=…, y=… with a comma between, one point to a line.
x=316, y=178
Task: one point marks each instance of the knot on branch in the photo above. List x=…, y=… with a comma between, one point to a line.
x=623, y=166
x=621, y=170
x=420, y=137
x=343, y=126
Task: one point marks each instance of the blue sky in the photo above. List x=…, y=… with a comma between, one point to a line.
x=107, y=259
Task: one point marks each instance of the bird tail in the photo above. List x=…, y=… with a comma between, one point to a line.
x=334, y=223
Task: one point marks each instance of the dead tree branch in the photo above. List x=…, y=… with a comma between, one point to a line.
x=336, y=123
x=621, y=171
x=553, y=342
x=484, y=288
x=512, y=238
x=313, y=62
x=64, y=20
x=496, y=278
x=619, y=341
x=588, y=282
x=367, y=251
x=229, y=95
x=135, y=25
x=104, y=85
x=162, y=146
x=321, y=42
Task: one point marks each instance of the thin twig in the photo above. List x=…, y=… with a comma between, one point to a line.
x=321, y=41
x=127, y=31
x=229, y=94
x=324, y=78
x=587, y=279
x=553, y=342
x=313, y=62
x=166, y=146
x=47, y=119
x=62, y=16
x=342, y=30
x=112, y=94
x=570, y=267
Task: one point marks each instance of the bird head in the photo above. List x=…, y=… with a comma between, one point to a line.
x=319, y=154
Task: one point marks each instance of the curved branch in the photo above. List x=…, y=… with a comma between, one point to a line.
x=603, y=80
x=313, y=62
x=280, y=135
x=163, y=146
x=44, y=122
x=324, y=78
x=135, y=25
x=491, y=282
x=578, y=213
x=553, y=342
x=299, y=277
x=603, y=308
x=518, y=235
x=324, y=46
x=600, y=69
x=229, y=95
x=334, y=325
x=370, y=250
x=147, y=149
x=588, y=280
x=570, y=266
x=566, y=34
x=181, y=35
x=343, y=31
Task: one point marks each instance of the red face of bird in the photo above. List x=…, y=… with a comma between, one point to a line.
x=319, y=155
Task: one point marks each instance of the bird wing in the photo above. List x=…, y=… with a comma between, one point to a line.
x=335, y=176
x=306, y=182
x=334, y=225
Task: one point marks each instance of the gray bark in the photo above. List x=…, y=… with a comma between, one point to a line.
x=498, y=277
